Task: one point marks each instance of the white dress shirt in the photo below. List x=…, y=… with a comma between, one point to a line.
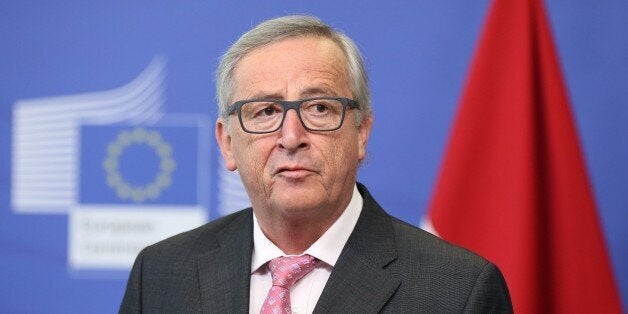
x=305, y=293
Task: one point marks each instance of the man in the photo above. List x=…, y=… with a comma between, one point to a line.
x=295, y=122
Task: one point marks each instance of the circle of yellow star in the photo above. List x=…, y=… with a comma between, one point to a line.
x=162, y=149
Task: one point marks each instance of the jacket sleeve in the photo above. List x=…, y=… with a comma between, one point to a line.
x=132, y=301
x=490, y=293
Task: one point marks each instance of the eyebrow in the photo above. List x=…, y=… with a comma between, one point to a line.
x=307, y=93
x=318, y=91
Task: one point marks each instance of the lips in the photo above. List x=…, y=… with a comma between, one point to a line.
x=293, y=171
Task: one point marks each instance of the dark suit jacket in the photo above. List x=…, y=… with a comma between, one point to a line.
x=386, y=266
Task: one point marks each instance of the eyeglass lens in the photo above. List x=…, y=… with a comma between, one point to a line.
x=317, y=114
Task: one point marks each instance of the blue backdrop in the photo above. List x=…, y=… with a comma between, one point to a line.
x=125, y=60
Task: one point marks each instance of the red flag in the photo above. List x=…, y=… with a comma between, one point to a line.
x=513, y=186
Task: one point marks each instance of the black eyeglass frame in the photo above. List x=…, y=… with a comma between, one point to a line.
x=287, y=105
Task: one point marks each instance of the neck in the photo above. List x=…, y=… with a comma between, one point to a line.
x=295, y=239
x=295, y=233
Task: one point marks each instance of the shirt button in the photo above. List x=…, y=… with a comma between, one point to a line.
x=296, y=310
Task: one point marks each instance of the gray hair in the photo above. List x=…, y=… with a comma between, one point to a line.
x=277, y=29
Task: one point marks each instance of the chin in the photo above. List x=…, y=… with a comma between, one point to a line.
x=299, y=197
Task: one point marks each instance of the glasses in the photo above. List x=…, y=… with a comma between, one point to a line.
x=260, y=116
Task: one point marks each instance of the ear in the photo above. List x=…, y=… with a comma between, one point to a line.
x=364, y=130
x=224, y=142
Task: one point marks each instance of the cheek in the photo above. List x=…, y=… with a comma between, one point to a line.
x=252, y=155
x=342, y=155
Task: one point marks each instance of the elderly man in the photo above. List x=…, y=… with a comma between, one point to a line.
x=295, y=121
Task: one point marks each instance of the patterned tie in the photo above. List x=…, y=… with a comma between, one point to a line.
x=286, y=271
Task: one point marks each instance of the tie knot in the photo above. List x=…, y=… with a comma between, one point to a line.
x=286, y=270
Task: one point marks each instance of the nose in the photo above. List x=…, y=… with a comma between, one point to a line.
x=292, y=135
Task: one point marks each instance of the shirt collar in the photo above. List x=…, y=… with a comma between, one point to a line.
x=327, y=248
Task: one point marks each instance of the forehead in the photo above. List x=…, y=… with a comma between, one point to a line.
x=291, y=66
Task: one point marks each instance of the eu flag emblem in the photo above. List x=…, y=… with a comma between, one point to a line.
x=139, y=165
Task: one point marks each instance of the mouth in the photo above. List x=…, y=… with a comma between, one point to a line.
x=295, y=172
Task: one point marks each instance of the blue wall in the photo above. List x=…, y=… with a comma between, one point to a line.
x=417, y=54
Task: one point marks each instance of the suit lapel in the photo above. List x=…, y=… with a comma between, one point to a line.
x=224, y=271
x=359, y=281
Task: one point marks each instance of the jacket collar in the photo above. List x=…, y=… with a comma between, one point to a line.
x=359, y=282
x=224, y=270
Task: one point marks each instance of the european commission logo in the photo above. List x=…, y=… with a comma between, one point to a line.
x=126, y=174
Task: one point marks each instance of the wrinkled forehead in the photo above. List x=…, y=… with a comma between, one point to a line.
x=295, y=61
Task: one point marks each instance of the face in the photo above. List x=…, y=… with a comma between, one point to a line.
x=293, y=172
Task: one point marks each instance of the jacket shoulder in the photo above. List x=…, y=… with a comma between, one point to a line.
x=425, y=247
x=449, y=277
x=180, y=251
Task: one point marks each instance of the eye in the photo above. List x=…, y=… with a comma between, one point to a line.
x=268, y=111
x=321, y=108
x=265, y=110
x=318, y=107
x=260, y=110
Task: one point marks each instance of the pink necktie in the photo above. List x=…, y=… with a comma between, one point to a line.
x=286, y=271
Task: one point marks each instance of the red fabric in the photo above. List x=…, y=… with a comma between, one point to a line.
x=513, y=186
